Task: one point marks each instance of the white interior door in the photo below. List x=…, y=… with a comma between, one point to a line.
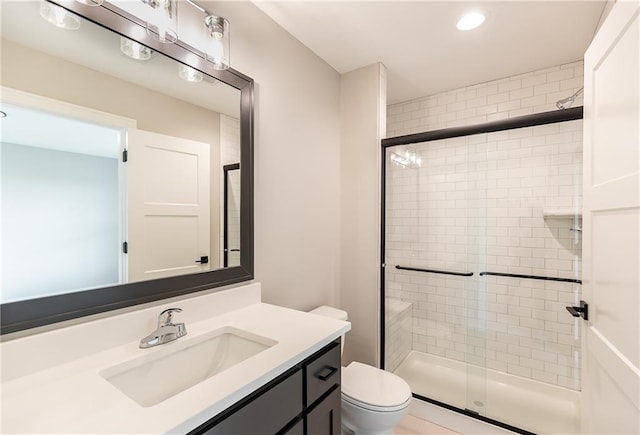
x=611, y=245
x=168, y=205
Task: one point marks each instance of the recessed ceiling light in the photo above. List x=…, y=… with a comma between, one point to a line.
x=470, y=21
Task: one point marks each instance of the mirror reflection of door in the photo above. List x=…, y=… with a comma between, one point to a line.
x=168, y=205
x=231, y=231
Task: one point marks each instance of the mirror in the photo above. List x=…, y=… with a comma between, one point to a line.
x=126, y=166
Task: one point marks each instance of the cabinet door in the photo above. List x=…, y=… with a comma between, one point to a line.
x=325, y=418
x=296, y=429
x=267, y=414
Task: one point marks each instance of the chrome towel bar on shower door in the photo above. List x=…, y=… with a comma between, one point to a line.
x=443, y=272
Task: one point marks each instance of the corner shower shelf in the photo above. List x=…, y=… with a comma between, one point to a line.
x=567, y=213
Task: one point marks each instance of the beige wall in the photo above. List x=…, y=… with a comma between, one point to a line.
x=363, y=121
x=297, y=160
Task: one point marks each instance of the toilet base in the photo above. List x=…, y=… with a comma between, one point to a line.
x=361, y=421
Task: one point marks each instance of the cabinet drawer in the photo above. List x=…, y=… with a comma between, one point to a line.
x=268, y=413
x=323, y=373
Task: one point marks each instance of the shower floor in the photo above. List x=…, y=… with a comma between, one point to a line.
x=520, y=402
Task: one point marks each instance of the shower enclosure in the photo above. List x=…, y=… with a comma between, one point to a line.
x=481, y=231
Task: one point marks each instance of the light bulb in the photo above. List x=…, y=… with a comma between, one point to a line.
x=189, y=74
x=217, y=33
x=161, y=18
x=134, y=49
x=59, y=16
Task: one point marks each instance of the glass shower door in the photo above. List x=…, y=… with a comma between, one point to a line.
x=430, y=283
x=483, y=254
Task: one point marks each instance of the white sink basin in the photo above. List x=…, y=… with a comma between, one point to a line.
x=176, y=366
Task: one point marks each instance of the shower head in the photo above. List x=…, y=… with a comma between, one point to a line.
x=565, y=103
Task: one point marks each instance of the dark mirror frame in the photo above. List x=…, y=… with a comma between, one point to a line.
x=27, y=314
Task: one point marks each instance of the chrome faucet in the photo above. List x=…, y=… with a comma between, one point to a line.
x=167, y=330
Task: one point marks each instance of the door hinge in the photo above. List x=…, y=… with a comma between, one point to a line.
x=125, y=247
x=125, y=155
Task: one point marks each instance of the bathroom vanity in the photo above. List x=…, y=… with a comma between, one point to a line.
x=243, y=367
x=303, y=400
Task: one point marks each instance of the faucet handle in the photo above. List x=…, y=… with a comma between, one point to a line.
x=166, y=316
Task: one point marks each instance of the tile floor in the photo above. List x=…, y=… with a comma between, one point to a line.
x=411, y=425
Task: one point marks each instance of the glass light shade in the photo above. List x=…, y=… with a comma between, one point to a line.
x=91, y=2
x=161, y=18
x=217, y=42
x=59, y=16
x=189, y=74
x=134, y=49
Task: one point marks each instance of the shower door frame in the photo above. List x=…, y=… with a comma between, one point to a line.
x=537, y=119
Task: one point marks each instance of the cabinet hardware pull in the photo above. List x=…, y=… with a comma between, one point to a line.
x=326, y=373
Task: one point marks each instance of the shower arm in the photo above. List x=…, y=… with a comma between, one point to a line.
x=567, y=102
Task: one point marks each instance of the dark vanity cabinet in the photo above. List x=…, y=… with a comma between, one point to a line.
x=305, y=400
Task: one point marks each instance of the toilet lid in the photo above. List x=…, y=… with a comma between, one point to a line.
x=375, y=389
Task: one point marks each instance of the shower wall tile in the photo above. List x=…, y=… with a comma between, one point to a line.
x=399, y=330
x=476, y=204
x=523, y=94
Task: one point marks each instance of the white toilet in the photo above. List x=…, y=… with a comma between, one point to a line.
x=373, y=400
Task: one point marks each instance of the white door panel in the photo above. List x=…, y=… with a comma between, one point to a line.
x=174, y=178
x=611, y=245
x=168, y=205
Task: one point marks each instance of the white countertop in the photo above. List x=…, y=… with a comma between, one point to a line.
x=73, y=397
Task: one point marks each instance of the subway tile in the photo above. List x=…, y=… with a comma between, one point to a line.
x=546, y=88
x=536, y=79
x=496, y=365
x=518, y=370
x=514, y=243
x=542, y=376
x=510, y=85
x=521, y=93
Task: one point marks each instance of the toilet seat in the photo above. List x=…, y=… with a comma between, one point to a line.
x=374, y=389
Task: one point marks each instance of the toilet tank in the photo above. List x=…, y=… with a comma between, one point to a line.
x=334, y=313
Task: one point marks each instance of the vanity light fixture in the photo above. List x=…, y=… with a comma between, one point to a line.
x=161, y=18
x=217, y=36
x=134, y=49
x=59, y=16
x=189, y=74
x=470, y=21
x=217, y=51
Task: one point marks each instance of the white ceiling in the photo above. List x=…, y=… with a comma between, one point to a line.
x=24, y=126
x=424, y=52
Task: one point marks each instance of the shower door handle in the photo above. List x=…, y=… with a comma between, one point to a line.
x=581, y=311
